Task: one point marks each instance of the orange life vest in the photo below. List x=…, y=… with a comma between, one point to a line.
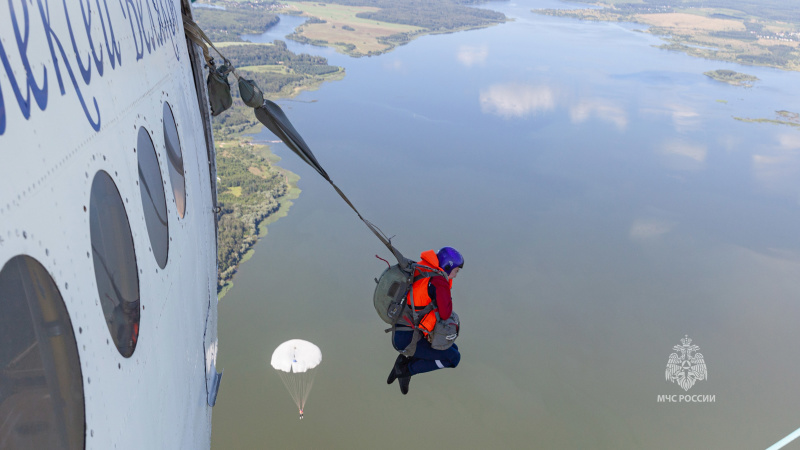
x=427, y=265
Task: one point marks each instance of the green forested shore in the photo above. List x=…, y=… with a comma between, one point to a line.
x=434, y=15
x=235, y=20
x=355, y=27
x=251, y=190
x=372, y=27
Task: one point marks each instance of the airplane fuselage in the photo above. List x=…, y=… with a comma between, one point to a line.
x=108, y=302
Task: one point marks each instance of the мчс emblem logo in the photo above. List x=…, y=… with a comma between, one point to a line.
x=686, y=367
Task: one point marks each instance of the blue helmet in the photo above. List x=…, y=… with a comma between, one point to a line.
x=449, y=259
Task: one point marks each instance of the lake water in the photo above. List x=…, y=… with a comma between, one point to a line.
x=607, y=204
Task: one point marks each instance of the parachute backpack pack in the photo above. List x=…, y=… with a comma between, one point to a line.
x=391, y=303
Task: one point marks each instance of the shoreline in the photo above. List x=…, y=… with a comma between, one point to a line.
x=702, y=32
x=285, y=202
x=253, y=191
x=364, y=36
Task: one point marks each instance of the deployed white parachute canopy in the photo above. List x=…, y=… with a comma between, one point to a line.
x=296, y=362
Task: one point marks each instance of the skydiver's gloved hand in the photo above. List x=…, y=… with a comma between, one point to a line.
x=400, y=364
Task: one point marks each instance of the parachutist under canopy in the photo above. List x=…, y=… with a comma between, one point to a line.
x=296, y=362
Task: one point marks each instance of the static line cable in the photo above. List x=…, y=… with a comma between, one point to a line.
x=387, y=241
x=272, y=116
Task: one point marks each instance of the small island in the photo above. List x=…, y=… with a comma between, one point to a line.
x=732, y=77
x=782, y=117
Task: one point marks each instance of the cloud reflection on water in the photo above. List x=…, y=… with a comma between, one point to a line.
x=648, y=228
x=470, y=56
x=511, y=100
x=394, y=65
x=518, y=100
x=600, y=108
x=684, y=118
x=682, y=155
x=778, y=168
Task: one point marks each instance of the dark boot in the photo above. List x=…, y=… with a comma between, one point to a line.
x=404, y=382
x=399, y=365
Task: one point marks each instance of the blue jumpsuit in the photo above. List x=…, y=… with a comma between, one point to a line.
x=425, y=358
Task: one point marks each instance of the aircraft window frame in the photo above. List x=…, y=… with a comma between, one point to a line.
x=154, y=202
x=115, y=268
x=42, y=403
x=172, y=143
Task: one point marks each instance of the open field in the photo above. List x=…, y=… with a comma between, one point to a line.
x=343, y=29
x=346, y=15
x=711, y=33
x=272, y=68
x=235, y=191
x=684, y=22
x=222, y=45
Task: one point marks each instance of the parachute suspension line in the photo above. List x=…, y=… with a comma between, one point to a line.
x=296, y=362
x=288, y=381
x=299, y=385
x=309, y=382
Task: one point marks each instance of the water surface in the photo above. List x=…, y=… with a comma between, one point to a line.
x=607, y=204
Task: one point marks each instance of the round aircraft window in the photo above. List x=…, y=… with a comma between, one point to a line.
x=114, y=263
x=175, y=157
x=153, y=200
x=41, y=386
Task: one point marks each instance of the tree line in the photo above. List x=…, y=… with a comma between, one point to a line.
x=242, y=171
x=434, y=15
x=250, y=55
x=260, y=186
x=779, y=10
x=229, y=24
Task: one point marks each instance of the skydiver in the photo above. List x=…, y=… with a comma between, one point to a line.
x=435, y=289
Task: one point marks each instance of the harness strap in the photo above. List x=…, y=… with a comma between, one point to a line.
x=411, y=348
x=428, y=308
x=422, y=276
x=416, y=316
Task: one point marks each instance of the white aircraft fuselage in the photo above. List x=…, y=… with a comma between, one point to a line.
x=108, y=301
